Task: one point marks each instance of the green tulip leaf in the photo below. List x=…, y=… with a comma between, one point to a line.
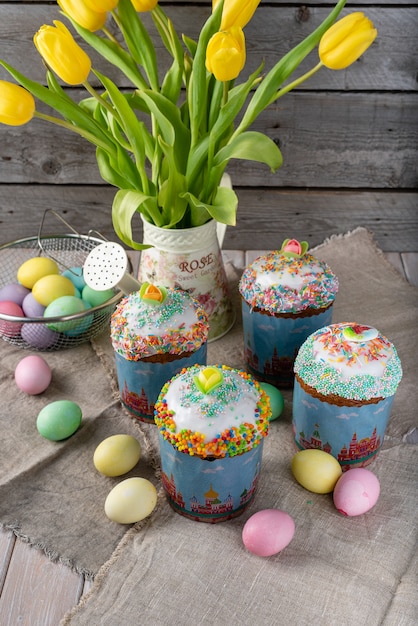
x=251, y=146
x=127, y=118
x=126, y=203
x=222, y=210
x=138, y=41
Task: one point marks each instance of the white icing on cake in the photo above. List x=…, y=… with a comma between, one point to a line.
x=139, y=329
x=339, y=359
x=278, y=283
x=231, y=404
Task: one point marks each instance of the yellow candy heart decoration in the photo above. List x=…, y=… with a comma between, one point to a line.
x=208, y=379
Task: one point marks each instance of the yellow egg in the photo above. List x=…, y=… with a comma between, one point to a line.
x=33, y=269
x=316, y=470
x=49, y=288
x=131, y=501
x=116, y=455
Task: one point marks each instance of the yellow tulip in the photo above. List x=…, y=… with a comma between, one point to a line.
x=225, y=54
x=82, y=13
x=346, y=40
x=100, y=5
x=17, y=105
x=62, y=54
x=142, y=6
x=236, y=12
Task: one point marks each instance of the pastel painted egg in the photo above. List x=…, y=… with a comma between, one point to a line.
x=117, y=455
x=59, y=420
x=356, y=492
x=38, y=335
x=75, y=274
x=51, y=287
x=81, y=325
x=31, y=307
x=33, y=269
x=14, y=293
x=10, y=328
x=64, y=306
x=316, y=470
x=276, y=400
x=131, y=500
x=268, y=532
x=94, y=297
x=33, y=375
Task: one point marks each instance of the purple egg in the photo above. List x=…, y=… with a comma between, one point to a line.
x=14, y=292
x=39, y=335
x=31, y=307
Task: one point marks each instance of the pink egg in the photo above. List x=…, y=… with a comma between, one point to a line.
x=356, y=492
x=267, y=532
x=10, y=328
x=33, y=375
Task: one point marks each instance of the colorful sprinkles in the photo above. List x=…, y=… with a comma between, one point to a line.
x=352, y=369
x=139, y=329
x=228, y=399
x=277, y=283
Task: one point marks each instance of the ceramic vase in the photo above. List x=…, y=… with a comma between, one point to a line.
x=190, y=259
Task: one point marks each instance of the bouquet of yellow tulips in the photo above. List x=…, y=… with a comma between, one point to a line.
x=169, y=168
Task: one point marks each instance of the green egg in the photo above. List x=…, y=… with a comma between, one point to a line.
x=95, y=298
x=68, y=305
x=276, y=400
x=59, y=420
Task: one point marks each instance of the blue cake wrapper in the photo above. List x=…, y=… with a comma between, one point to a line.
x=140, y=382
x=209, y=490
x=352, y=434
x=271, y=343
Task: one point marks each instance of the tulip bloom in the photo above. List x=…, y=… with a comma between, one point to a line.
x=17, y=105
x=100, y=5
x=225, y=54
x=142, y=6
x=236, y=12
x=346, y=40
x=62, y=54
x=83, y=14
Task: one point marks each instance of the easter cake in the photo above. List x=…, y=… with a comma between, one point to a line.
x=155, y=332
x=212, y=423
x=286, y=295
x=346, y=376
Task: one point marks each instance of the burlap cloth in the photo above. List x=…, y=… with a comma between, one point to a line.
x=168, y=570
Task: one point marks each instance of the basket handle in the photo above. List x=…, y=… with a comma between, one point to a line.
x=59, y=217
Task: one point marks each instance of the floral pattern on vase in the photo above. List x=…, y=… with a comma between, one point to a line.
x=190, y=259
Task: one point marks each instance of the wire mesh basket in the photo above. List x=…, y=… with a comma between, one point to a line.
x=52, y=333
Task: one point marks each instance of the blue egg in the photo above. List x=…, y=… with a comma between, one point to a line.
x=75, y=274
x=276, y=400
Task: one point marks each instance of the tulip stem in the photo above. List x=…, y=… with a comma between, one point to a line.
x=110, y=36
x=225, y=93
x=296, y=82
x=102, y=101
x=75, y=129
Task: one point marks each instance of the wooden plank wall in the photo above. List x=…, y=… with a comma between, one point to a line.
x=349, y=138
